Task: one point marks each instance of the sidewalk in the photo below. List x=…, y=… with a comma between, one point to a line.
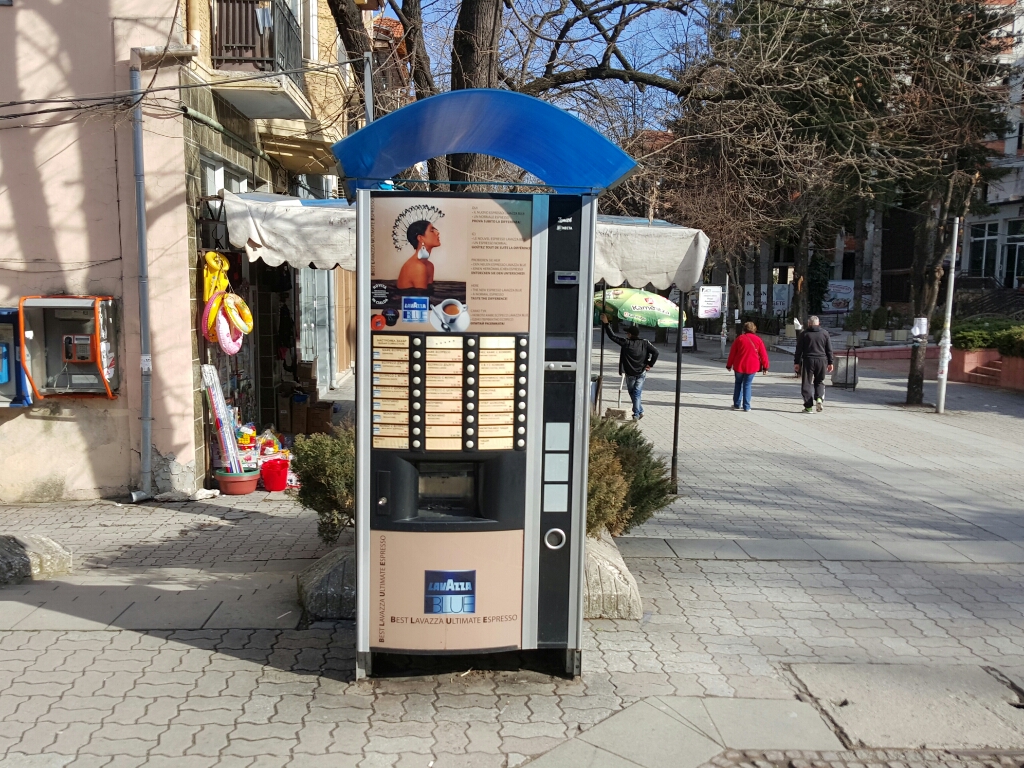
x=802, y=603
x=864, y=469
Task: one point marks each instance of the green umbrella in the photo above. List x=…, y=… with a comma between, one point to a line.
x=639, y=307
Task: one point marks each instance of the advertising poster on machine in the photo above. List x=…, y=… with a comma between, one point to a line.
x=450, y=265
x=446, y=591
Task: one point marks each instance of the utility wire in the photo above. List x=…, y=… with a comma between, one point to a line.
x=121, y=95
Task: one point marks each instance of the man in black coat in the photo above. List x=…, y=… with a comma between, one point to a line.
x=635, y=360
x=813, y=359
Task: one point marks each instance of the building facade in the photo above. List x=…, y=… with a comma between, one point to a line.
x=243, y=95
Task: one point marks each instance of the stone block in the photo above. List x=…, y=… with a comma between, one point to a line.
x=609, y=591
x=29, y=556
x=327, y=589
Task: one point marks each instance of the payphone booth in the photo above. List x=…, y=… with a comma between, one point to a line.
x=474, y=340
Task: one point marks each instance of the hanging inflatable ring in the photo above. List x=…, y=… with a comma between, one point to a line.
x=210, y=312
x=230, y=339
x=215, y=274
x=238, y=313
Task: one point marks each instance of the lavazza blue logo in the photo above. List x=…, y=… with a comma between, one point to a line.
x=449, y=592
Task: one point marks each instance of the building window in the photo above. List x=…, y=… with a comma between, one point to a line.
x=984, y=249
x=215, y=176
x=1013, y=259
x=310, y=31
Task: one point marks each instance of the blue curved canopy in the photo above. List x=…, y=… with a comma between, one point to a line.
x=554, y=146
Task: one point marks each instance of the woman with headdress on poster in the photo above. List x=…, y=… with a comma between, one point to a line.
x=417, y=225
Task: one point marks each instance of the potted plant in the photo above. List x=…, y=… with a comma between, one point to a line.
x=879, y=319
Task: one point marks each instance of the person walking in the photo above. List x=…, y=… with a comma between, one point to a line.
x=747, y=356
x=813, y=359
x=637, y=357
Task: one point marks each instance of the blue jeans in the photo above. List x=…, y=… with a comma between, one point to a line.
x=635, y=387
x=744, y=381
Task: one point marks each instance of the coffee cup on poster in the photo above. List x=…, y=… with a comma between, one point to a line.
x=450, y=315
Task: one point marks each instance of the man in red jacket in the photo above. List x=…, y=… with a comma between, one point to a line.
x=747, y=356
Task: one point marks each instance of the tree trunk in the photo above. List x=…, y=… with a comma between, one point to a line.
x=924, y=292
x=475, y=65
x=800, y=262
x=875, y=222
x=349, y=20
x=858, y=259
x=757, y=279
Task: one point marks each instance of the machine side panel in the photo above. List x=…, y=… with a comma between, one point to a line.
x=561, y=360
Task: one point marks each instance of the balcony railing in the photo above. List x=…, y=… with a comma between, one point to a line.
x=257, y=36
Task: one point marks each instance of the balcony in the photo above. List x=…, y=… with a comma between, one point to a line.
x=252, y=36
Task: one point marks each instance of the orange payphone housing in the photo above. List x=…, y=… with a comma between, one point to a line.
x=69, y=345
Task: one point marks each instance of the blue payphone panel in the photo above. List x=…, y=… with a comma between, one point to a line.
x=14, y=388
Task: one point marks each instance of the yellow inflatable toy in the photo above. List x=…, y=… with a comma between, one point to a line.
x=237, y=312
x=215, y=274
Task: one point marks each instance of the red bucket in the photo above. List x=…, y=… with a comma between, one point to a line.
x=275, y=474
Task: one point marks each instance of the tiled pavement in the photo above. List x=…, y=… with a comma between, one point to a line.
x=127, y=695
x=862, y=469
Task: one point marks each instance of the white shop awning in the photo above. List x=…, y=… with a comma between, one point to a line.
x=322, y=233
x=281, y=229
x=638, y=252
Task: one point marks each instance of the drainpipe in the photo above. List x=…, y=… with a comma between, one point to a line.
x=172, y=54
x=209, y=122
x=192, y=14
x=146, y=357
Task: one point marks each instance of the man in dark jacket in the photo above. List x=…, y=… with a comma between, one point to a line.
x=813, y=359
x=635, y=360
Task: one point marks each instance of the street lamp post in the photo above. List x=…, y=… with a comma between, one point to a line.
x=946, y=341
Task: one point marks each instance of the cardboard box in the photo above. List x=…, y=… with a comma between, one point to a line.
x=319, y=418
x=305, y=372
x=299, y=415
x=283, y=420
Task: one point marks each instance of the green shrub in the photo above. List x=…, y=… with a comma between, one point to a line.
x=1010, y=342
x=606, y=487
x=856, y=320
x=879, y=319
x=326, y=468
x=981, y=334
x=649, y=487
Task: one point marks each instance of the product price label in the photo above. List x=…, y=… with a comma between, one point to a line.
x=397, y=443
x=495, y=355
x=444, y=355
x=495, y=444
x=389, y=340
x=496, y=418
x=390, y=366
x=497, y=342
x=492, y=368
x=496, y=406
x=391, y=354
x=444, y=444
x=447, y=393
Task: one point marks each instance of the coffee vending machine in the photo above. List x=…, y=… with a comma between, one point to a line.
x=472, y=417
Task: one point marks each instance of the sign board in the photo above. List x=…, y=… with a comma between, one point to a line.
x=781, y=297
x=686, y=337
x=709, y=303
x=838, y=297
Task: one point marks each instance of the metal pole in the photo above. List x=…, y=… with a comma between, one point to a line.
x=600, y=373
x=725, y=316
x=675, y=419
x=944, y=343
x=146, y=356
x=368, y=85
